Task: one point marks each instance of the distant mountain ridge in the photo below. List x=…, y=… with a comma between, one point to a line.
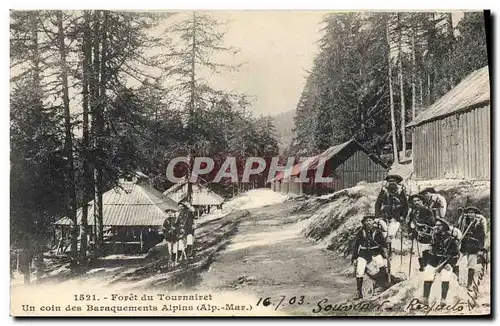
x=284, y=128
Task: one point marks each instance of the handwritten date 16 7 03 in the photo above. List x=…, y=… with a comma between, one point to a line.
x=281, y=302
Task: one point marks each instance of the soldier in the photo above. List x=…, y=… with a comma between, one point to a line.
x=473, y=226
x=392, y=205
x=370, y=246
x=189, y=231
x=441, y=258
x=169, y=234
x=436, y=202
x=180, y=231
x=420, y=223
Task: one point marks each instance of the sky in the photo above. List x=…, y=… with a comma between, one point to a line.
x=277, y=48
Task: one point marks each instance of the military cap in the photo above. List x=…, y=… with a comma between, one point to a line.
x=472, y=209
x=367, y=216
x=443, y=222
x=394, y=177
x=428, y=190
x=419, y=196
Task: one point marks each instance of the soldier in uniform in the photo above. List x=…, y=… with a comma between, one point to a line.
x=186, y=218
x=436, y=202
x=473, y=226
x=392, y=205
x=421, y=222
x=370, y=246
x=442, y=256
x=169, y=234
x=181, y=231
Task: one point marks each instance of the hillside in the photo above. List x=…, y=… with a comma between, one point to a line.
x=284, y=127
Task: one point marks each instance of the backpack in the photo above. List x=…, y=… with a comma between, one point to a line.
x=397, y=194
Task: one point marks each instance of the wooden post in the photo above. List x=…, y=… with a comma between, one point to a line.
x=113, y=241
x=142, y=243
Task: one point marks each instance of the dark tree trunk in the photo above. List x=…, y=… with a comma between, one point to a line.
x=191, y=110
x=391, y=93
x=87, y=172
x=96, y=112
x=68, y=143
x=401, y=88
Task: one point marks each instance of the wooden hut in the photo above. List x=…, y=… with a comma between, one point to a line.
x=133, y=212
x=203, y=198
x=451, y=138
x=348, y=164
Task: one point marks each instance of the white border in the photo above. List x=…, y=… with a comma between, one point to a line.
x=190, y=4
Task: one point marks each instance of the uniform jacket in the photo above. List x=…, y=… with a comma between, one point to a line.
x=444, y=245
x=371, y=241
x=421, y=220
x=476, y=234
x=396, y=202
x=169, y=229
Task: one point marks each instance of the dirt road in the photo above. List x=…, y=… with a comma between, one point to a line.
x=268, y=257
x=253, y=256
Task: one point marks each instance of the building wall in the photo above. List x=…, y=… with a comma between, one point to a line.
x=358, y=167
x=295, y=187
x=455, y=147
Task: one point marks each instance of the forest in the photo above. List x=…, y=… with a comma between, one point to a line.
x=376, y=71
x=96, y=95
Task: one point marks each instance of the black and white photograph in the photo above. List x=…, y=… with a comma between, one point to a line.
x=250, y=163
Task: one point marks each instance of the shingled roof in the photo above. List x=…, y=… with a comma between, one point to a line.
x=202, y=195
x=470, y=93
x=129, y=204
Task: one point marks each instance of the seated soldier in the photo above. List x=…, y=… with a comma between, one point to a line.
x=421, y=222
x=473, y=225
x=435, y=202
x=441, y=258
x=370, y=246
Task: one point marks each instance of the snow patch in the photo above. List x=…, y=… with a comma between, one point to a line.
x=264, y=238
x=255, y=198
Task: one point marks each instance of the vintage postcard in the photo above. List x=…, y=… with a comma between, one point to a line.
x=250, y=163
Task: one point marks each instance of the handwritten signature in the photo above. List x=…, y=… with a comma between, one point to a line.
x=472, y=301
x=323, y=305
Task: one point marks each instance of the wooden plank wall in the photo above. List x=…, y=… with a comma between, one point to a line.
x=358, y=167
x=455, y=147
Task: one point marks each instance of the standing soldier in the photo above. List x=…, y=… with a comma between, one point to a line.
x=420, y=224
x=170, y=234
x=473, y=226
x=189, y=231
x=392, y=205
x=443, y=256
x=187, y=221
x=180, y=230
x=436, y=202
x=370, y=246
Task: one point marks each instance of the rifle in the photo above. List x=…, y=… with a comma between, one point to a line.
x=401, y=248
x=441, y=265
x=411, y=254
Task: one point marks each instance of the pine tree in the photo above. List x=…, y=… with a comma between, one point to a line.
x=389, y=77
x=400, y=28
x=68, y=139
x=199, y=38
